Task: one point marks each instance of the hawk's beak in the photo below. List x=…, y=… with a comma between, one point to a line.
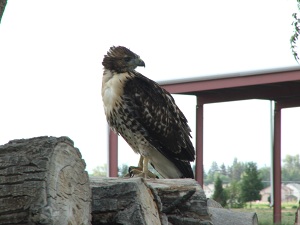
x=140, y=62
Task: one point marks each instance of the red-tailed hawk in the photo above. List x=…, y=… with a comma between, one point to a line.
x=146, y=116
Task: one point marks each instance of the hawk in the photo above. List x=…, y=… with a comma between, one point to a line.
x=146, y=116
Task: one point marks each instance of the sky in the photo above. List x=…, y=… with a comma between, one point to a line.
x=51, y=71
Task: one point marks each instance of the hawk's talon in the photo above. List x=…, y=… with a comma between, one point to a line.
x=138, y=172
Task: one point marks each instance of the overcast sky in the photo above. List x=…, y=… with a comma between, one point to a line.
x=51, y=71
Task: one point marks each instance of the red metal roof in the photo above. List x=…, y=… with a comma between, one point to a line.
x=273, y=84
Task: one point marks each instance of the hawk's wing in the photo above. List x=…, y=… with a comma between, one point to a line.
x=164, y=124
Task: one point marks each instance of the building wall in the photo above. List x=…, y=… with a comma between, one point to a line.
x=296, y=190
x=287, y=194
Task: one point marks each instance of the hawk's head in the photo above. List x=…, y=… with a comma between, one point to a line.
x=121, y=59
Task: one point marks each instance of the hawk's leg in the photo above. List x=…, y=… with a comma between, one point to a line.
x=141, y=162
x=142, y=169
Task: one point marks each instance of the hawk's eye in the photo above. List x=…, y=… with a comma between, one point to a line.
x=127, y=59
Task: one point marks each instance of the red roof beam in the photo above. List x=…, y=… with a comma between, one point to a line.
x=266, y=92
x=213, y=84
x=289, y=103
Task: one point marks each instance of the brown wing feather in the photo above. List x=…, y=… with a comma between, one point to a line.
x=165, y=125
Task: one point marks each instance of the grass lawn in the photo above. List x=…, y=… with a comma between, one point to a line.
x=265, y=213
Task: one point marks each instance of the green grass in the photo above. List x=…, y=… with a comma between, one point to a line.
x=265, y=213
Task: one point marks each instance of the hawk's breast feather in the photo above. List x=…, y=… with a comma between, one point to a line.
x=112, y=89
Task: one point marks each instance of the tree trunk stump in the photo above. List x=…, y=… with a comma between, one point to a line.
x=221, y=216
x=183, y=201
x=123, y=201
x=158, y=201
x=43, y=181
x=150, y=202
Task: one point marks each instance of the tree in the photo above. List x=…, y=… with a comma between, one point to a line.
x=236, y=170
x=292, y=162
x=233, y=192
x=219, y=194
x=214, y=169
x=265, y=175
x=251, y=184
x=223, y=169
x=296, y=33
x=291, y=168
x=2, y=8
x=100, y=171
x=123, y=170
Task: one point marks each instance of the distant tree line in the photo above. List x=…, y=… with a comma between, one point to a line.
x=101, y=171
x=243, y=184
x=290, y=170
x=244, y=180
